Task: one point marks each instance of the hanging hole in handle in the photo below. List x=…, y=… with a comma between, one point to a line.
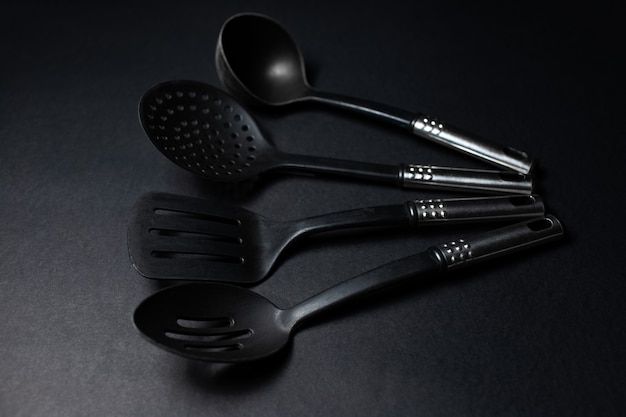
x=522, y=200
x=540, y=224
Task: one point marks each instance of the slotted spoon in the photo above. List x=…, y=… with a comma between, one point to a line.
x=225, y=323
x=177, y=237
x=257, y=60
x=204, y=130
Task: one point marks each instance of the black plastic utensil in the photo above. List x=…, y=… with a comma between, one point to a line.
x=204, y=130
x=183, y=238
x=225, y=323
x=257, y=60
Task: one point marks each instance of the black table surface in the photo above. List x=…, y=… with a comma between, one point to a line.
x=537, y=333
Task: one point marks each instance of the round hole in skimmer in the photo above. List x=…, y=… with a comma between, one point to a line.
x=207, y=125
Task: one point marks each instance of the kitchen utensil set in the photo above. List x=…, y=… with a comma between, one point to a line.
x=207, y=132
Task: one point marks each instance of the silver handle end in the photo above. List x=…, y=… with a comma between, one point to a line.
x=452, y=137
x=428, y=176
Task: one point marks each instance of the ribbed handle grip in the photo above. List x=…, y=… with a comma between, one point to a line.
x=420, y=176
x=475, y=209
x=505, y=157
x=499, y=242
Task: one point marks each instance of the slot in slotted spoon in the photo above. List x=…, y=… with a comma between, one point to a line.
x=177, y=237
x=226, y=323
x=204, y=130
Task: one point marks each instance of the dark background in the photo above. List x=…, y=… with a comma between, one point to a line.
x=537, y=334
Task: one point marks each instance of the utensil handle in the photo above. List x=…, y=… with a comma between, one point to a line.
x=452, y=137
x=434, y=130
x=418, y=213
x=411, y=175
x=508, y=239
x=440, y=258
x=475, y=209
x=427, y=176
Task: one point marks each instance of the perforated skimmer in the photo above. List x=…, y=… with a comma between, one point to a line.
x=204, y=130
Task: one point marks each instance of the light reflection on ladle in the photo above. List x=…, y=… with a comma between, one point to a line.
x=258, y=61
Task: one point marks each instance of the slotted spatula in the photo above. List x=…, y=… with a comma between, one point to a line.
x=226, y=323
x=183, y=238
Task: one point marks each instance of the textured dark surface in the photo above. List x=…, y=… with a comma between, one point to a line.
x=535, y=334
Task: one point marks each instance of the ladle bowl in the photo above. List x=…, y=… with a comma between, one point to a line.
x=258, y=61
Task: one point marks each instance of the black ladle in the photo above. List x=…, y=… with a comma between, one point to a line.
x=258, y=60
x=225, y=323
x=206, y=131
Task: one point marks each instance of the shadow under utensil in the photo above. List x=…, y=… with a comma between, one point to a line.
x=235, y=192
x=239, y=378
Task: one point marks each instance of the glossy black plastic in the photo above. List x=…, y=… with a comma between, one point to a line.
x=177, y=237
x=225, y=323
x=258, y=61
x=204, y=130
